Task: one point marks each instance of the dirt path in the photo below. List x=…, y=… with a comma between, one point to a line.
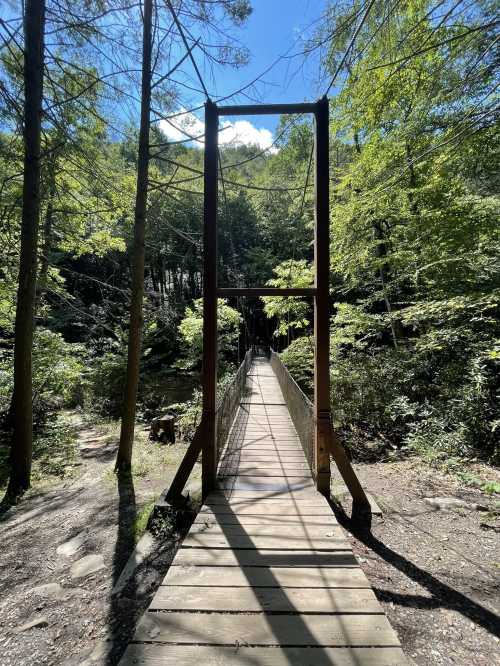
x=63, y=549
x=436, y=570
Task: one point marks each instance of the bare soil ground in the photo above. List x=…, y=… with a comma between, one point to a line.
x=435, y=570
x=64, y=547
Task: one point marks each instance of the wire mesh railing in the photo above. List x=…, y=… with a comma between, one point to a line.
x=300, y=407
x=230, y=401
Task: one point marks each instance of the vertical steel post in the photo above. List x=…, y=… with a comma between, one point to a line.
x=322, y=417
x=209, y=451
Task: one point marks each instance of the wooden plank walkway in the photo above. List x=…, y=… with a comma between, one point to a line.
x=265, y=575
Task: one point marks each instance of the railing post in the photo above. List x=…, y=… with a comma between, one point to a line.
x=209, y=451
x=322, y=417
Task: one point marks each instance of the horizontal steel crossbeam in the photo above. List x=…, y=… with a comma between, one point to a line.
x=226, y=292
x=258, y=109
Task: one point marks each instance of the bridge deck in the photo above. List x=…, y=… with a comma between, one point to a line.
x=265, y=575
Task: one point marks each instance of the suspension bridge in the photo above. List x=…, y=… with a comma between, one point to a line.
x=266, y=575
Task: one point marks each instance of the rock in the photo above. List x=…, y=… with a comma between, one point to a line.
x=40, y=621
x=72, y=546
x=450, y=503
x=87, y=565
x=50, y=591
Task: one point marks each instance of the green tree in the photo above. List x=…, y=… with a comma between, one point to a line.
x=228, y=328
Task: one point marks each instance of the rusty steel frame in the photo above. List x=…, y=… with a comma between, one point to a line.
x=324, y=443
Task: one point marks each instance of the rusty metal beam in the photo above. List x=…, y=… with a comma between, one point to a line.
x=322, y=301
x=209, y=373
x=266, y=109
x=227, y=292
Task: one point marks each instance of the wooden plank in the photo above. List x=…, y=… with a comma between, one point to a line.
x=309, y=497
x=271, y=419
x=267, y=457
x=292, y=473
x=206, y=539
x=264, y=629
x=269, y=599
x=223, y=557
x=273, y=476
x=277, y=481
x=272, y=444
x=275, y=405
x=281, y=448
x=279, y=439
x=187, y=655
x=317, y=577
x=274, y=493
x=285, y=521
x=298, y=530
x=272, y=467
x=283, y=489
x=276, y=504
x=252, y=442
x=251, y=456
x=264, y=426
x=283, y=432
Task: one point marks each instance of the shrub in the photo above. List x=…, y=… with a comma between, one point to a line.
x=57, y=372
x=104, y=382
x=299, y=359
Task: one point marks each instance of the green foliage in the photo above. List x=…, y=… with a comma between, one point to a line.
x=104, y=384
x=54, y=452
x=415, y=240
x=188, y=416
x=299, y=359
x=290, y=313
x=191, y=330
x=57, y=372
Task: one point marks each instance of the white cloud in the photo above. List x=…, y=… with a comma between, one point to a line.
x=243, y=133
x=237, y=133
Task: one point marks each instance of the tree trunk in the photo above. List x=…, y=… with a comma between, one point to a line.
x=22, y=445
x=124, y=457
x=43, y=271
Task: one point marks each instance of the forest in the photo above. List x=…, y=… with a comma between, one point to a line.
x=101, y=220
x=362, y=535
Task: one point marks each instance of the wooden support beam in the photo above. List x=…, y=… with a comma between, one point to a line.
x=322, y=301
x=209, y=378
x=227, y=292
x=188, y=462
x=266, y=109
x=361, y=503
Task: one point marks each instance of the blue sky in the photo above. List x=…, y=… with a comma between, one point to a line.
x=271, y=30
x=275, y=28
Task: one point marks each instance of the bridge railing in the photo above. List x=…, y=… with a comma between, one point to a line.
x=224, y=417
x=299, y=406
x=229, y=403
x=302, y=412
